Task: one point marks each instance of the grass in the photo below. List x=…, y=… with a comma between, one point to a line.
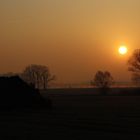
x=76, y=116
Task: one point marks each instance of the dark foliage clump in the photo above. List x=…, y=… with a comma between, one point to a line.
x=15, y=93
x=103, y=80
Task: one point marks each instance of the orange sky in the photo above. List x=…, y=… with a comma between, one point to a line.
x=75, y=38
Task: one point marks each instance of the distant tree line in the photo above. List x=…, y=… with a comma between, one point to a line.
x=104, y=80
x=39, y=76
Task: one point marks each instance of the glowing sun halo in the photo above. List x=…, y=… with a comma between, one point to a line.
x=123, y=50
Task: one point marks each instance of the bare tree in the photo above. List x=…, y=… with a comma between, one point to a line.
x=103, y=80
x=29, y=75
x=134, y=66
x=46, y=77
x=37, y=75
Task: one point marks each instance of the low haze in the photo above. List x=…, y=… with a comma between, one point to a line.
x=74, y=38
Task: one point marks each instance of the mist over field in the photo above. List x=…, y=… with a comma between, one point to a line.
x=69, y=69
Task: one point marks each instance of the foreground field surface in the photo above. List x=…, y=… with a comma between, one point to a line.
x=76, y=117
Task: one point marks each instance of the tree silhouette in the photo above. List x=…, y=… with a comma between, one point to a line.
x=37, y=75
x=46, y=77
x=134, y=66
x=103, y=80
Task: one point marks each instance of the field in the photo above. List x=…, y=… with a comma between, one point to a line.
x=76, y=115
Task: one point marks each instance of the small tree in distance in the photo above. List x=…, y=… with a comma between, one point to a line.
x=103, y=80
x=37, y=75
x=46, y=77
x=134, y=66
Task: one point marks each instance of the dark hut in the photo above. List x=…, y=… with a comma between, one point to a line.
x=15, y=93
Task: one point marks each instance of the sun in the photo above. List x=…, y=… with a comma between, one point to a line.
x=123, y=50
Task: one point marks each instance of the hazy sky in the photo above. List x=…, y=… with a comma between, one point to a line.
x=75, y=38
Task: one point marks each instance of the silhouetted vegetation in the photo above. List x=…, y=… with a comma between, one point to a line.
x=103, y=80
x=134, y=66
x=15, y=93
x=38, y=76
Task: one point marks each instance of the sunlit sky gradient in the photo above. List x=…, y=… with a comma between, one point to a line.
x=75, y=38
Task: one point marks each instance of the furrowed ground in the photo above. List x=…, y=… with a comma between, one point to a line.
x=76, y=116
